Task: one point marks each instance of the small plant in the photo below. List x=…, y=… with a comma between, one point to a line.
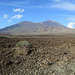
x=23, y=48
x=23, y=43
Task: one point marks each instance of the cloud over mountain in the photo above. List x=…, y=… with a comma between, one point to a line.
x=71, y=24
x=17, y=16
x=18, y=10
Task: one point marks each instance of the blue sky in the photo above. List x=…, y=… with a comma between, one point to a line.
x=14, y=11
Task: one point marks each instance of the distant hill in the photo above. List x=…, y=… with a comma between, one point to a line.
x=29, y=28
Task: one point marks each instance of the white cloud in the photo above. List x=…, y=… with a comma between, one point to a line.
x=17, y=16
x=5, y=16
x=9, y=20
x=71, y=24
x=18, y=10
x=64, y=6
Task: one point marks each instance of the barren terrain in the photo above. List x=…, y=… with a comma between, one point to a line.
x=46, y=56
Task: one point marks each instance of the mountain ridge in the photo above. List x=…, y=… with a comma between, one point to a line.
x=45, y=27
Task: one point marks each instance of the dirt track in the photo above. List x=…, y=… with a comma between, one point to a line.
x=49, y=56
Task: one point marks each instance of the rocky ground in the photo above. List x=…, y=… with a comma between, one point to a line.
x=46, y=56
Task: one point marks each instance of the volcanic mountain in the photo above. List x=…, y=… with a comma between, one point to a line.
x=29, y=28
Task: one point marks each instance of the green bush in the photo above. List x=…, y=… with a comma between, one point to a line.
x=23, y=43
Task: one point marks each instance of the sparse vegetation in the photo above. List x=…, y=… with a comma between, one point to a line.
x=23, y=43
x=23, y=48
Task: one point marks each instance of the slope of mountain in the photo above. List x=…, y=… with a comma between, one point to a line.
x=46, y=27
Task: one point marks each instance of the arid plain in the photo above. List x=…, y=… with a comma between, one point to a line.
x=47, y=55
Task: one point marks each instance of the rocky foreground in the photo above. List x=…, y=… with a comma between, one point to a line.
x=46, y=56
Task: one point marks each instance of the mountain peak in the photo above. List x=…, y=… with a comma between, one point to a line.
x=50, y=20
